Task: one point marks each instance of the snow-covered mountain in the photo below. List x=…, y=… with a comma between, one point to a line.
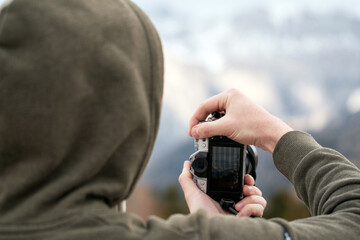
x=300, y=60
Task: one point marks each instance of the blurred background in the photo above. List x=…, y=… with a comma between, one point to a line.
x=298, y=59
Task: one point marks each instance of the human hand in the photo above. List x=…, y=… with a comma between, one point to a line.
x=244, y=121
x=252, y=205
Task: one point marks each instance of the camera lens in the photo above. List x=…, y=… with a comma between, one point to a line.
x=200, y=164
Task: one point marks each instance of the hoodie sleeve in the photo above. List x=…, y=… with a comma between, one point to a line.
x=326, y=181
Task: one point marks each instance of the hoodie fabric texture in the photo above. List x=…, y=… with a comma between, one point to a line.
x=80, y=97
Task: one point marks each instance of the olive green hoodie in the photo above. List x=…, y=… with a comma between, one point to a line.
x=80, y=94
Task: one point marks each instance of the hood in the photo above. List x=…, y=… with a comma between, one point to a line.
x=80, y=98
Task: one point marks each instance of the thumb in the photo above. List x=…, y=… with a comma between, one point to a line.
x=210, y=129
x=186, y=180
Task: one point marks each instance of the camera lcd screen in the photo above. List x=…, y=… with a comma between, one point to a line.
x=225, y=168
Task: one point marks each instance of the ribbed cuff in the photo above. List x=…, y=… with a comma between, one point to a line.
x=291, y=149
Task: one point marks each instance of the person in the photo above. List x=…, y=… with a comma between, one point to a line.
x=80, y=97
x=324, y=179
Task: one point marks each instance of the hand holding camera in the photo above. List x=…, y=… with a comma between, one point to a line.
x=219, y=166
x=244, y=122
x=252, y=205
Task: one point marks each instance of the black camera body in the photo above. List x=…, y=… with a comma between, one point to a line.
x=219, y=165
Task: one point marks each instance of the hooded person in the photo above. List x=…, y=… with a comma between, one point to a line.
x=80, y=97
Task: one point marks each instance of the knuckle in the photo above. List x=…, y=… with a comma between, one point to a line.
x=250, y=198
x=251, y=190
x=255, y=191
x=246, y=210
x=202, y=105
x=228, y=95
x=203, y=130
x=232, y=91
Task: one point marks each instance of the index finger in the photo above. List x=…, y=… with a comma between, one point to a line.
x=215, y=103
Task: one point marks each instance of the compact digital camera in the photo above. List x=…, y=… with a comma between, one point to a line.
x=219, y=165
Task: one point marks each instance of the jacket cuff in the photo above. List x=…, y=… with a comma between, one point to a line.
x=291, y=149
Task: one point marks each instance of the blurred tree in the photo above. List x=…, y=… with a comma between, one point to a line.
x=285, y=204
x=145, y=203
x=172, y=202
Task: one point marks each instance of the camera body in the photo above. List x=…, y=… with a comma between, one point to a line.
x=219, y=165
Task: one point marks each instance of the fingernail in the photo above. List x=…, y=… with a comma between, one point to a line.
x=195, y=132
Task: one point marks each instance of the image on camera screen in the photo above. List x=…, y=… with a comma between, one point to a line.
x=225, y=168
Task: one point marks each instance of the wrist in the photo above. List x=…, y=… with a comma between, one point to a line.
x=274, y=133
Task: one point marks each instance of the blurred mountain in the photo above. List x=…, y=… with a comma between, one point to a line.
x=300, y=63
x=343, y=135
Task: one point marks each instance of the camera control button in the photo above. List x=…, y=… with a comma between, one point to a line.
x=203, y=145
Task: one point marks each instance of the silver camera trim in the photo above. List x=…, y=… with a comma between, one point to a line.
x=201, y=145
